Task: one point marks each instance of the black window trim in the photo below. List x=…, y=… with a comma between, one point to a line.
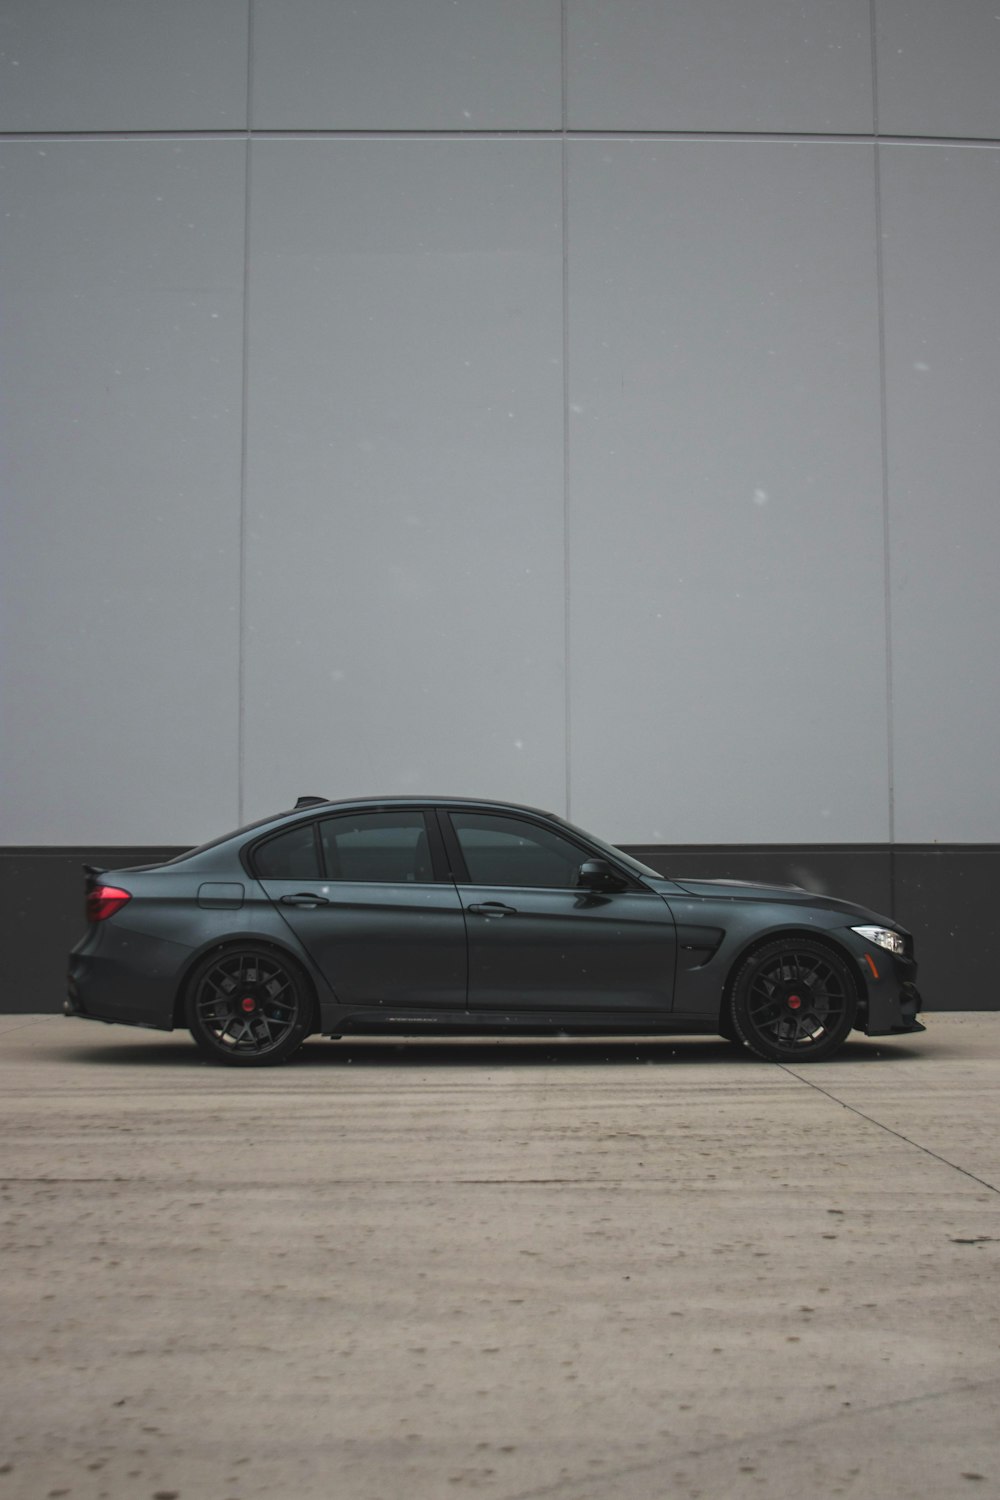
x=439, y=858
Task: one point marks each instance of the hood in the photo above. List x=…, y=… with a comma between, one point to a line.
x=787, y=895
x=759, y=890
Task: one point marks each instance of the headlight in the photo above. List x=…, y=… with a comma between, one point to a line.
x=883, y=937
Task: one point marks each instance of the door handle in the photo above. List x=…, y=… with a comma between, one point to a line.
x=492, y=909
x=304, y=898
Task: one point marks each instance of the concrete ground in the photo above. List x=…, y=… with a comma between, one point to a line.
x=525, y=1271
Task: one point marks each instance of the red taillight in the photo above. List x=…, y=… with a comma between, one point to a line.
x=104, y=900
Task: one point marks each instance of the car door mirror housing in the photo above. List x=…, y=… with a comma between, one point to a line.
x=598, y=875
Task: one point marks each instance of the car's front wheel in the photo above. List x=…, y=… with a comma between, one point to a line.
x=793, y=1001
x=248, y=1006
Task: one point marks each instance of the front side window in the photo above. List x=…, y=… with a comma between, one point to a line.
x=499, y=850
x=390, y=847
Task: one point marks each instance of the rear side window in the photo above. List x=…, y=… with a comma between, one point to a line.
x=390, y=847
x=291, y=855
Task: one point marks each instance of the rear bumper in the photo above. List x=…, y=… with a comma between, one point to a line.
x=73, y=1007
x=103, y=983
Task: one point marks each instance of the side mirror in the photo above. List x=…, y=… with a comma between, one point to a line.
x=598, y=875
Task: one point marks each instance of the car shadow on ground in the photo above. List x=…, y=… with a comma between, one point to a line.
x=484, y=1053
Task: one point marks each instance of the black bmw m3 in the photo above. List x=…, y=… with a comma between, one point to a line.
x=420, y=915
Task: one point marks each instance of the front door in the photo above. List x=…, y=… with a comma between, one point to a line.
x=538, y=942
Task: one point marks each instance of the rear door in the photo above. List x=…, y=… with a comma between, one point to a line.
x=361, y=893
x=538, y=942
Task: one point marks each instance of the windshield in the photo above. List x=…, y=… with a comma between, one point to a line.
x=614, y=853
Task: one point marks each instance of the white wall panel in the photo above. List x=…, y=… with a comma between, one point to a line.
x=759, y=65
x=727, y=646
x=122, y=280
x=405, y=553
x=407, y=65
x=80, y=65
x=938, y=67
x=941, y=221
x=405, y=489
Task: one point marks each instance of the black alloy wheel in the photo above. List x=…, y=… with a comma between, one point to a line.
x=248, y=1007
x=793, y=1001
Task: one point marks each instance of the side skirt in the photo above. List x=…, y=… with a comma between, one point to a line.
x=378, y=1021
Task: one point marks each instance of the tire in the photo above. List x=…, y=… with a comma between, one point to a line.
x=793, y=1001
x=249, y=1007
x=727, y=1029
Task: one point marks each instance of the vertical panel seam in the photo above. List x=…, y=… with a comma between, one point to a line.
x=873, y=27
x=244, y=406
x=564, y=184
x=884, y=436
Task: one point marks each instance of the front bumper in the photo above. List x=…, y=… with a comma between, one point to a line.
x=894, y=1002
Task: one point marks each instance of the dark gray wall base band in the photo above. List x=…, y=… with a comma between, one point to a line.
x=41, y=890
x=948, y=895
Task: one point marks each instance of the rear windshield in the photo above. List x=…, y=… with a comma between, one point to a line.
x=223, y=838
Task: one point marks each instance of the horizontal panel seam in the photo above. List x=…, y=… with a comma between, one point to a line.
x=170, y=851
x=865, y=138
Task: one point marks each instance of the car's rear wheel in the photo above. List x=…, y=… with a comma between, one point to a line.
x=793, y=1001
x=248, y=1006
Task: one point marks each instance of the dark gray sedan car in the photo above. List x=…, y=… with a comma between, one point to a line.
x=422, y=915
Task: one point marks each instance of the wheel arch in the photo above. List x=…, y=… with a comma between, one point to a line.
x=242, y=940
x=780, y=934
